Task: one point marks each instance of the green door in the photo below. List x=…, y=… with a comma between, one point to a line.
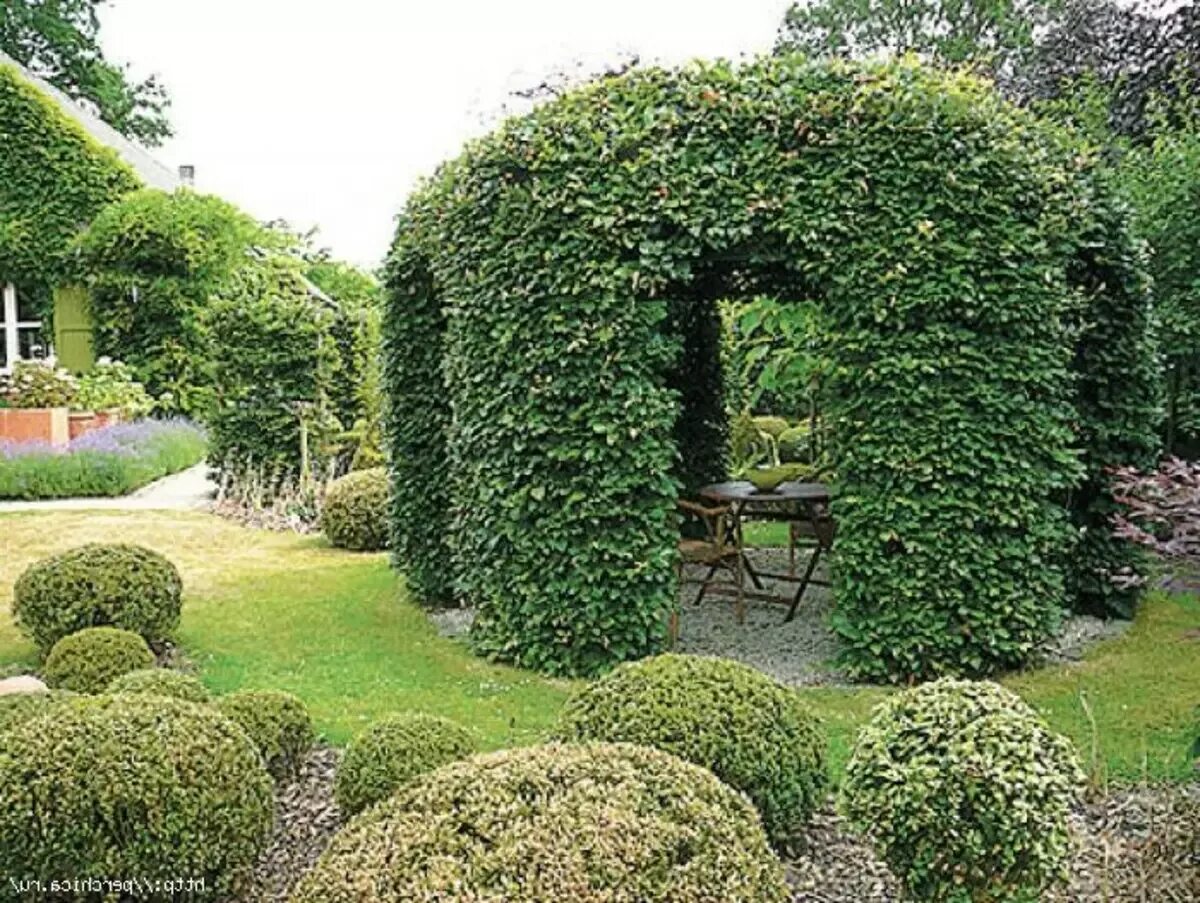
x=73, y=329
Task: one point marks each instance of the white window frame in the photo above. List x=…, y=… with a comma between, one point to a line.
x=12, y=327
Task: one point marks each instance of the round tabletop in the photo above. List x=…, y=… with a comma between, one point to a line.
x=744, y=491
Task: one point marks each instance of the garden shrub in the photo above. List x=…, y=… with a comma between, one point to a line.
x=132, y=786
x=53, y=176
x=18, y=708
x=965, y=792
x=531, y=288
x=279, y=725
x=153, y=261
x=37, y=384
x=355, y=513
x=587, y=823
x=756, y=735
x=90, y=660
x=280, y=378
x=109, y=385
x=392, y=752
x=161, y=682
x=108, y=462
x=97, y=585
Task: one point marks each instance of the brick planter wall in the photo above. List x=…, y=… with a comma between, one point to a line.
x=51, y=425
x=82, y=422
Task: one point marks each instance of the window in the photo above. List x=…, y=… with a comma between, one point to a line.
x=21, y=337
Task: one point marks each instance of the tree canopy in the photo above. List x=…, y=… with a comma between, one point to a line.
x=59, y=41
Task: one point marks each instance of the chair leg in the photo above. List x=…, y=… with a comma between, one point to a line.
x=704, y=584
x=791, y=549
x=808, y=572
x=748, y=568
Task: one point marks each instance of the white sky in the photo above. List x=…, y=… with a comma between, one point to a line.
x=325, y=112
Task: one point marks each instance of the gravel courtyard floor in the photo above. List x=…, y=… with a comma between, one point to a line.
x=802, y=651
x=1132, y=846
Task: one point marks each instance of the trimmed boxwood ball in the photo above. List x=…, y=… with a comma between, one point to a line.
x=392, y=752
x=17, y=708
x=125, y=786
x=161, y=682
x=756, y=735
x=586, y=823
x=97, y=585
x=965, y=792
x=90, y=660
x=355, y=515
x=278, y=724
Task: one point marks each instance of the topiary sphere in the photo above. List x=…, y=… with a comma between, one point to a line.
x=586, y=823
x=278, y=724
x=753, y=733
x=964, y=791
x=88, y=661
x=98, y=586
x=355, y=514
x=392, y=752
x=161, y=682
x=126, y=786
x=17, y=708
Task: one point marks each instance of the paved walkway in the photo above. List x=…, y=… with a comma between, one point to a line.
x=188, y=490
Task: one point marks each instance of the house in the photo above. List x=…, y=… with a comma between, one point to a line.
x=59, y=165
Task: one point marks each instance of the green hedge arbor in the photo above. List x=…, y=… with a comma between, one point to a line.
x=544, y=286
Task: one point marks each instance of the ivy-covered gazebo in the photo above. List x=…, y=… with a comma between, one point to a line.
x=554, y=373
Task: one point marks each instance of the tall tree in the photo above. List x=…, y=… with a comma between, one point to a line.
x=989, y=32
x=58, y=40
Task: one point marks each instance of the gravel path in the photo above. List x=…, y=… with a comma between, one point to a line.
x=801, y=652
x=188, y=490
x=1132, y=846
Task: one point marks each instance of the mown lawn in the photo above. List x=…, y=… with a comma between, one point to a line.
x=279, y=611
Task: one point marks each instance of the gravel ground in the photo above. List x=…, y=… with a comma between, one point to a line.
x=1132, y=846
x=801, y=652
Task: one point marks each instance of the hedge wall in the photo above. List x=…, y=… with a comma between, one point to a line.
x=53, y=177
x=534, y=324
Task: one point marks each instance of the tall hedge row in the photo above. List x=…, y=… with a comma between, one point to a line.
x=53, y=177
x=530, y=355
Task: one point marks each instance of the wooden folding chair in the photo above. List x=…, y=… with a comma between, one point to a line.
x=717, y=550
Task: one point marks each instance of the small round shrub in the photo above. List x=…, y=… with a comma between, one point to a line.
x=794, y=445
x=964, y=791
x=394, y=751
x=772, y=426
x=17, y=708
x=124, y=786
x=88, y=661
x=355, y=514
x=585, y=823
x=98, y=586
x=161, y=682
x=756, y=735
x=278, y=724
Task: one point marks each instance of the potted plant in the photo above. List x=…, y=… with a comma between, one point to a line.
x=107, y=394
x=38, y=396
x=756, y=456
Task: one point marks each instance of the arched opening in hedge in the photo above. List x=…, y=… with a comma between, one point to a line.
x=545, y=286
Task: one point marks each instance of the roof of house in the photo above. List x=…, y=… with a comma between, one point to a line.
x=148, y=169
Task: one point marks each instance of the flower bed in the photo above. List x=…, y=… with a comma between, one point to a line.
x=107, y=462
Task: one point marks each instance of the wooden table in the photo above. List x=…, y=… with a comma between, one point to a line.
x=806, y=504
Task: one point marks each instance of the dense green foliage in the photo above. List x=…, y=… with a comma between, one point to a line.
x=152, y=263
x=272, y=405
x=355, y=512
x=279, y=725
x=37, y=384
x=937, y=227
x=90, y=660
x=107, y=463
x=965, y=793
x=110, y=386
x=53, y=177
x=97, y=585
x=587, y=823
x=392, y=752
x=128, y=787
x=753, y=733
x=60, y=43
x=161, y=682
x=18, y=708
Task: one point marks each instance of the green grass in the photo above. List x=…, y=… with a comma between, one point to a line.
x=280, y=611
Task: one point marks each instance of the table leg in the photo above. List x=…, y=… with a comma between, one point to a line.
x=808, y=572
x=740, y=609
